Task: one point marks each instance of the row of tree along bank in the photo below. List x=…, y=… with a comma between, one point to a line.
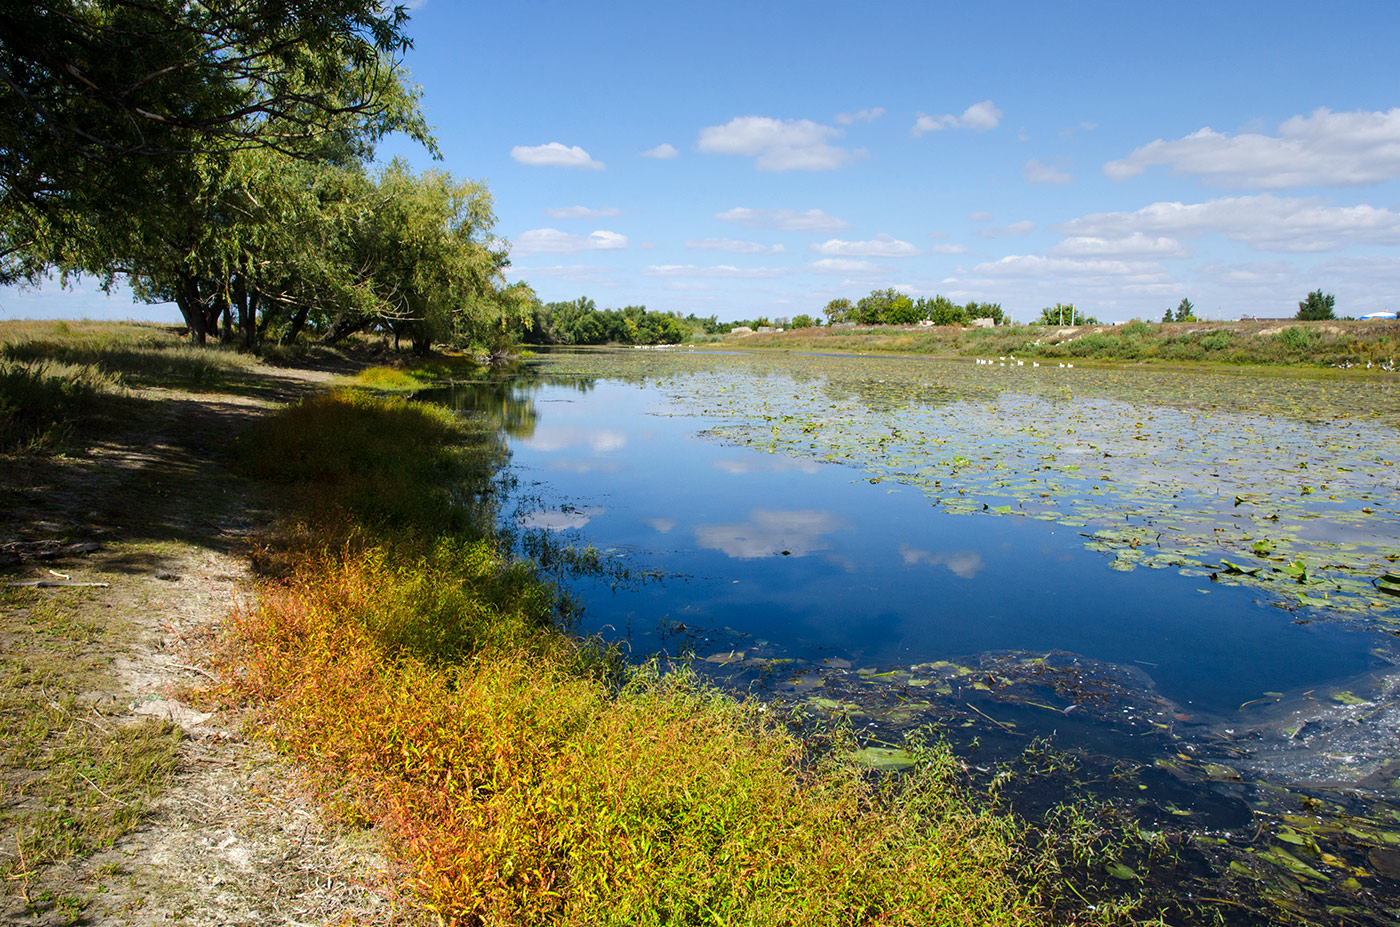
x=220, y=156
x=1337, y=343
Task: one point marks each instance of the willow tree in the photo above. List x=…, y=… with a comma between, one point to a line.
x=426, y=258
x=120, y=119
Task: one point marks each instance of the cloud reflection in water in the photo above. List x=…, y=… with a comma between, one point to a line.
x=558, y=437
x=964, y=563
x=770, y=533
x=562, y=520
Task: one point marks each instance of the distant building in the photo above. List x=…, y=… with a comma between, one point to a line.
x=982, y=323
x=1379, y=315
x=741, y=330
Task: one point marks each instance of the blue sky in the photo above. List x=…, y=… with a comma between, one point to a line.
x=745, y=159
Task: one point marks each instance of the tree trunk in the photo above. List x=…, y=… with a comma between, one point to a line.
x=343, y=328
x=247, y=314
x=187, y=298
x=224, y=313
x=298, y=322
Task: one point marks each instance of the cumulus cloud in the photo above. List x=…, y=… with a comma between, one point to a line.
x=555, y=154
x=1135, y=245
x=1322, y=149
x=733, y=246
x=948, y=249
x=1035, y=172
x=778, y=144
x=813, y=220
x=1040, y=266
x=663, y=152
x=980, y=216
x=863, y=115
x=720, y=270
x=553, y=241
x=882, y=245
x=1264, y=222
x=582, y=212
x=843, y=266
x=1024, y=227
x=979, y=117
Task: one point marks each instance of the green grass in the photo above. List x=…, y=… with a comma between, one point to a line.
x=57, y=377
x=42, y=403
x=74, y=781
x=527, y=778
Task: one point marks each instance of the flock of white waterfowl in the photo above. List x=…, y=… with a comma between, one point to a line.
x=1010, y=360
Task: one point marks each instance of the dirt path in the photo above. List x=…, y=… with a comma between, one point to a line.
x=151, y=510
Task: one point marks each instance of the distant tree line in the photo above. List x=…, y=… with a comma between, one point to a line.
x=891, y=307
x=582, y=322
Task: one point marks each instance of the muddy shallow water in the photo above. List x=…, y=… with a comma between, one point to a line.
x=1177, y=575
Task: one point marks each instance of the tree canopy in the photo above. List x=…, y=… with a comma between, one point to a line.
x=1317, y=306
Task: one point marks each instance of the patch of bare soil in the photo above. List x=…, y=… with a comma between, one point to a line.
x=151, y=510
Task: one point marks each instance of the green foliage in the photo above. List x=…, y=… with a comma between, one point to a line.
x=582, y=322
x=838, y=310
x=1317, y=307
x=802, y=320
x=1064, y=314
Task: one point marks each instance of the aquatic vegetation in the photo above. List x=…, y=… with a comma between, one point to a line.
x=1285, y=484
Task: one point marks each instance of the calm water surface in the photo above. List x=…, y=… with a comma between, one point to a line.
x=822, y=563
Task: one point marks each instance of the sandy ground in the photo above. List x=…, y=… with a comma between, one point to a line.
x=236, y=838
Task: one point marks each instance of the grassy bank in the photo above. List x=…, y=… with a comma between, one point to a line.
x=1284, y=342
x=528, y=778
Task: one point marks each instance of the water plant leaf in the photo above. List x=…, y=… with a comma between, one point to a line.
x=1388, y=583
x=1119, y=871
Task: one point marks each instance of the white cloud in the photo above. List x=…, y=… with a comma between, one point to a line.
x=979, y=117
x=733, y=246
x=582, y=212
x=948, y=249
x=1323, y=149
x=778, y=144
x=980, y=216
x=1039, y=267
x=882, y=245
x=1134, y=245
x=813, y=220
x=721, y=270
x=1082, y=127
x=553, y=241
x=864, y=115
x=555, y=154
x=1035, y=172
x=843, y=266
x=663, y=152
x=1264, y=222
x=1024, y=227
x=574, y=273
